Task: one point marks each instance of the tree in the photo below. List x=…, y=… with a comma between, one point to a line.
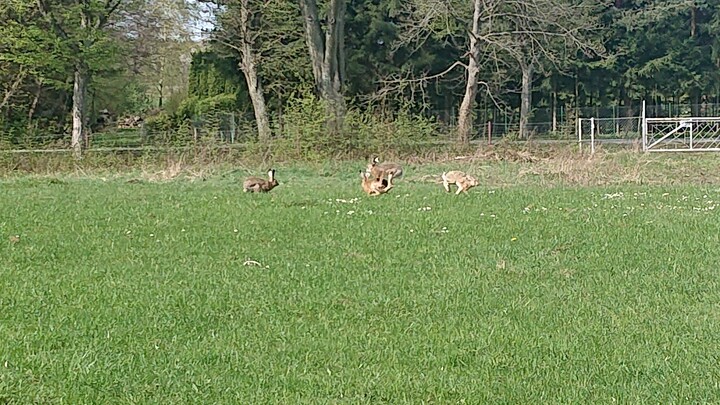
x=240, y=25
x=327, y=55
x=81, y=27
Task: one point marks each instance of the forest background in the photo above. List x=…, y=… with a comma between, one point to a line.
x=324, y=77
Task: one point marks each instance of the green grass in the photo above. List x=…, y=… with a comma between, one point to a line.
x=123, y=292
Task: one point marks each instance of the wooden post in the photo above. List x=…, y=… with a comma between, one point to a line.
x=489, y=132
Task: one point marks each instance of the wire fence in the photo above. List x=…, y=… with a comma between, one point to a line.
x=235, y=129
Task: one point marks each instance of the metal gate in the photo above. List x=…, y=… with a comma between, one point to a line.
x=681, y=134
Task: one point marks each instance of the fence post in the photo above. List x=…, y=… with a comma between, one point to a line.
x=579, y=131
x=232, y=127
x=643, y=127
x=592, y=136
x=489, y=132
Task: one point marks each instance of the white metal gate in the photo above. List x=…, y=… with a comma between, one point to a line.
x=681, y=134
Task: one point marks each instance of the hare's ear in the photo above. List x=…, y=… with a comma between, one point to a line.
x=376, y=160
x=271, y=174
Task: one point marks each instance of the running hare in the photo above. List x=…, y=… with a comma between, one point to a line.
x=386, y=169
x=463, y=181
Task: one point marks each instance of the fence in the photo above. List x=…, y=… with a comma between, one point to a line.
x=609, y=124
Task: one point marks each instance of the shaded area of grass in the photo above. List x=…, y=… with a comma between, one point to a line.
x=187, y=292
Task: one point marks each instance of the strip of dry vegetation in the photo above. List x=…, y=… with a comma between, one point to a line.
x=500, y=165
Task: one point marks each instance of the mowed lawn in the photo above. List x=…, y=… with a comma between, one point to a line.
x=194, y=292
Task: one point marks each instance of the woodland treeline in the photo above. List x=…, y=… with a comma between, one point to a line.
x=69, y=66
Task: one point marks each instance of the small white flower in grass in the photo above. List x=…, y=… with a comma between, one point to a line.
x=235, y=230
x=412, y=230
x=152, y=235
x=182, y=230
x=665, y=194
x=491, y=192
x=128, y=232
x=350, y=212
x=492, y=216
x=424, y=209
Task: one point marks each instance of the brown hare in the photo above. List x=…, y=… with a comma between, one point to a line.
x=374, y=186
x=383, y=170
x=260, y=185
x=463, y=181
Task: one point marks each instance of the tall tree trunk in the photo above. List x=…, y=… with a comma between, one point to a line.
x=248, y=66
x=79, y=128
x=10, y=91
x=33, y=105
x=465, y=113
x=525, y=98
x=256, y=95
x=325, y=55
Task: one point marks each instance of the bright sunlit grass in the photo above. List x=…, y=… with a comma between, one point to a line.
x=195, y=292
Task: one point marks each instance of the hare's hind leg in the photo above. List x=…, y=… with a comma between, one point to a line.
x=460, y=189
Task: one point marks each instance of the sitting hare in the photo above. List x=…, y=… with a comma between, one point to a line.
x=374, y=186
x=463, y=181
x=386, y=169
x=260, y=185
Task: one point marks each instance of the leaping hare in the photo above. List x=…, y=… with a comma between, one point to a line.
x=260, y=185
x=374, y=185
x=463, y=181
x=386, y=169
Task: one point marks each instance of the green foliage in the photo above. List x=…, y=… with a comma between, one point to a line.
x=302, y=131
x=213, y=75
x=401, y=133
x=160, y=123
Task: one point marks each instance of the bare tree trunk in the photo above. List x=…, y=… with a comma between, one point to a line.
x=325, y=56
x=256, y=95
x=465, y=114
x=161, y=90
x=10, y=91
x=525, y=98
x=33, y=105
x=79, y=128
x=249, y=68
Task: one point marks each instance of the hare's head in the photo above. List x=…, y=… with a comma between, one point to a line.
x=372, y=185
x=471, y=181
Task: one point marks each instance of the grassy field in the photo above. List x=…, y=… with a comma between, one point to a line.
x=193, y=292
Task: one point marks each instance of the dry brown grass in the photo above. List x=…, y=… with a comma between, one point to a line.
x=500, y=165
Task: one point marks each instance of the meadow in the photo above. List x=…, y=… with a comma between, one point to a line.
x=553, y=282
